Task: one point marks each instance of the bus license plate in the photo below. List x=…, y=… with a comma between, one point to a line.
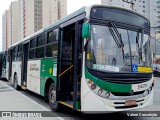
x=130, y=102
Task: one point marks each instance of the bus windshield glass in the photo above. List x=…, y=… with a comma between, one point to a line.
x=107, y=52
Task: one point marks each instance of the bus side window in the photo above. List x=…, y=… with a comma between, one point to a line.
x=19, y=56
x=31, y=54
x=39, y=53
x=32, y=43
x=52, y=50
x=14, y=54
x=52, y=44
x=32, y=48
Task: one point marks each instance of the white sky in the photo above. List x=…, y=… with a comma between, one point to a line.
x=72, y=5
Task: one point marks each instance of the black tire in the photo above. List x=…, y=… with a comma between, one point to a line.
x=52, y=98
x=16, y=82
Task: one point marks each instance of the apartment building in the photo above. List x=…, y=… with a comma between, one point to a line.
x=153, y=12
x=148, y=8
x=158, y=15
x=30, y=17
x=143, y=7
x=53, y=10
x=5, y=30
x=118, y=3
x=62, y=8
x=12, y=23
x=50, y=11
x=140, y=6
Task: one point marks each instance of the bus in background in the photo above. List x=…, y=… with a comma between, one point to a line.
x=96, y=59
x=3, y=65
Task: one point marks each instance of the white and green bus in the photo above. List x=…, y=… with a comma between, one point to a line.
x=96, y=59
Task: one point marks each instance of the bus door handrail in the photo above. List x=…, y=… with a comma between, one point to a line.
x=65, y=71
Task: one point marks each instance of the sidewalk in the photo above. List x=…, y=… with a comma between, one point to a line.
x=12, y=100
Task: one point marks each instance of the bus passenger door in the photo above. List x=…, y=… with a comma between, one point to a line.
x=1, y=56
x=24, y=64
x=3, y=67
x=65, y=63
x=10, y=56
x=69, y=65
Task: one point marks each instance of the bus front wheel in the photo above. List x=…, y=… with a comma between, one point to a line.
x=52, y=98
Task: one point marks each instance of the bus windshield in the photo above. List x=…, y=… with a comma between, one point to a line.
x=106, y=53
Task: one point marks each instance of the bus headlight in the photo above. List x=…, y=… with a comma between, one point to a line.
x=107, y=94
x=98, y=91
x=93, y=86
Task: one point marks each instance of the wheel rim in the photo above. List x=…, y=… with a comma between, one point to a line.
x=52, y=96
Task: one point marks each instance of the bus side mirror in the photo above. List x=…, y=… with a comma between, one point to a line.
x=86, y=31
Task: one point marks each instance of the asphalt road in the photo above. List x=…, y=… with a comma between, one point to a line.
x=68, y=114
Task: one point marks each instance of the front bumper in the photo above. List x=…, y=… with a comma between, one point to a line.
x=96, y=104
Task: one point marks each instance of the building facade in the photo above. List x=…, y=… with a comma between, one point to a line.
x=140, y=6
x=158, y=15
x=62, y=8
x=5, y=30
x=30, y=17
x=12, y=23
x=53, y=10
x=148, y=8
x=118, y=3
x=143, y=7
x=50, y=11
x=26, y=17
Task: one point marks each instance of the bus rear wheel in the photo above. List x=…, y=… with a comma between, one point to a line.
x=52, y=98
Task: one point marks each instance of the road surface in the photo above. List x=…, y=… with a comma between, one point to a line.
x=67, y=113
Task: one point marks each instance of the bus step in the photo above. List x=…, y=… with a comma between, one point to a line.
x=23, y=87
x=67, y=103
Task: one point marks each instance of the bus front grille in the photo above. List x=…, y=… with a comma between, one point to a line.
x=127, y=94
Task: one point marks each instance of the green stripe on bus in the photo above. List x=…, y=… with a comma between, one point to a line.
x=111, y=87
x=47, y=69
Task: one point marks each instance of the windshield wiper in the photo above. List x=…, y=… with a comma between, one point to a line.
x=116, y=36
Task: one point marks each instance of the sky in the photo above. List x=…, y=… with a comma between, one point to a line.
x=72, y=5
